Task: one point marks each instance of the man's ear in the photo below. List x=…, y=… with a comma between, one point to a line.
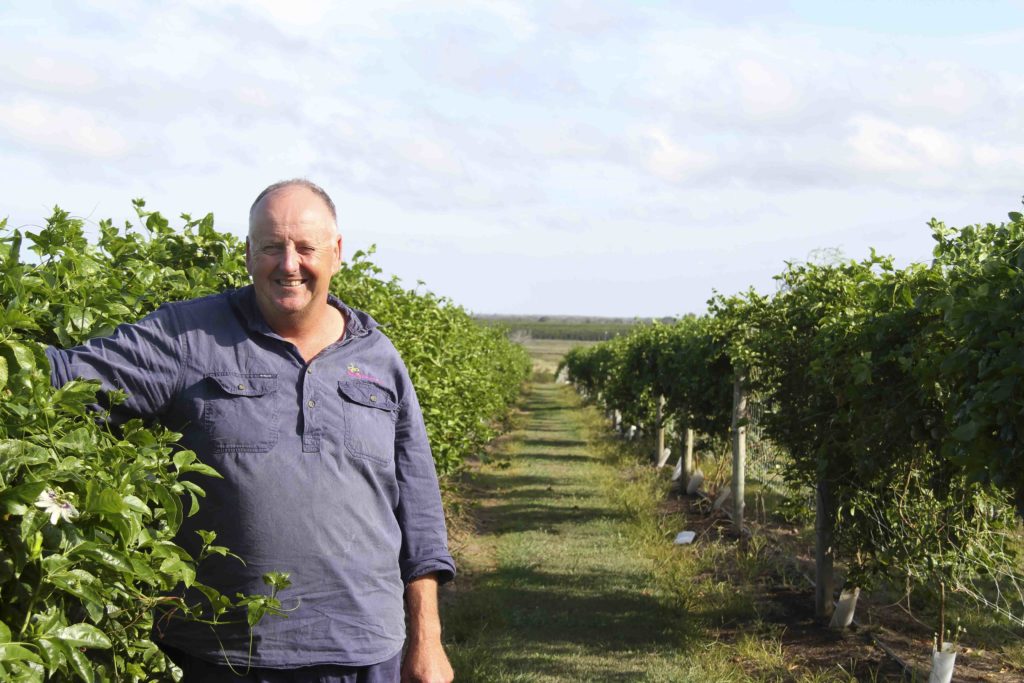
x=337, y=264
x=248, y=256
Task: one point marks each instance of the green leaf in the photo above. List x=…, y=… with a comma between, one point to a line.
x=3, y=372
x=79, y=440
x=966, y=432
x=207, y=536
x=171, y=503
x=107, y=501
x=18, y=500
x=277, y=580
x=84, y=635
x=136, y=505
x=182, y=459
x=15, y=452
x=143, y=572
x=21, y=354
x=204, y=469
x=10, y=652
x=193, y=508
x=53, y=655
x=79, y=583
x=5, y=633
x=179, y=570
x=79, y=662
x=219, y=603
x=105, y=556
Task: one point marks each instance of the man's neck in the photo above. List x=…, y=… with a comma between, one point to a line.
x=312, y=335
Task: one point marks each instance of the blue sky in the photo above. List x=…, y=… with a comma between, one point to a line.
x=601, y=158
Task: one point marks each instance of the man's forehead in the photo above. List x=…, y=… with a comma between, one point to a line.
x=293, y=207
x=295, y=197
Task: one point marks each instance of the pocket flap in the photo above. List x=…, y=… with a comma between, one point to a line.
x=368, y=394
x=238, y=384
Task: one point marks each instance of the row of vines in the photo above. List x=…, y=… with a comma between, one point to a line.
x=88, y=514
x=898, y=394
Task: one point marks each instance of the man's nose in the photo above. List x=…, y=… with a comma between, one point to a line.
x=289, y=259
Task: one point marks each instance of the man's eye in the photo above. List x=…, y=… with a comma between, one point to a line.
x=271, y=250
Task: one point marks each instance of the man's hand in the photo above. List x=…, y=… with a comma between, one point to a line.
x=425, y=660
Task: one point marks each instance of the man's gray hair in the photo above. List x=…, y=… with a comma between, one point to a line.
x=296, y=182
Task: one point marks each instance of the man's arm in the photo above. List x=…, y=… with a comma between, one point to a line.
x=144, y=359
x=425, y=660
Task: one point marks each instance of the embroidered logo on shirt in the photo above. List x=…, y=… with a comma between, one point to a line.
x=354, y=371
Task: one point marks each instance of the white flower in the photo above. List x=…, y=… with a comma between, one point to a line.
x=58, y=504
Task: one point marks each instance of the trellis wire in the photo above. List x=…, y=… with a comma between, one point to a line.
x=766, y=460
x=1001, y=591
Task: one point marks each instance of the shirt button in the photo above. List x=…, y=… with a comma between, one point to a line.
x=241, y=386
x=311, y=403
x=309, y=371
x=373, y=398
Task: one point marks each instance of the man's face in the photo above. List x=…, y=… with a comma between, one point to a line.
x=291, y=253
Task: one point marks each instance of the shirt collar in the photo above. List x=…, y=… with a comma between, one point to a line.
x=357, y=323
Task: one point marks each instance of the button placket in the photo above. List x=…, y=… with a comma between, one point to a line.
x=311, y=421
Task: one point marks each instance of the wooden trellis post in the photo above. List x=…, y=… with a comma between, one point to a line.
x=739, y=448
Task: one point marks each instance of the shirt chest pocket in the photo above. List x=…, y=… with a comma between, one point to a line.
x=240, y=412
x=370, y=415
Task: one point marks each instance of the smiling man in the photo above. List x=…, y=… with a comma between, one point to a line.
x=292, y=251
x=306, y=410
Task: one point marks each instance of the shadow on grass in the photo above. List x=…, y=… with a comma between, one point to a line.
x=561, y=459
x=550, y=620
x=552, y=444
x=531, y=502
x=564, y=594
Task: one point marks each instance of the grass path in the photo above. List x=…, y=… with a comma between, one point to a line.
x=568, y=572
x=553, y=587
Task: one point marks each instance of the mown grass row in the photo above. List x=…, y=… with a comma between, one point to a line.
x=569, y=572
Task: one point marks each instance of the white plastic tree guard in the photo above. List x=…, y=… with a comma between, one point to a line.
x=842, y=617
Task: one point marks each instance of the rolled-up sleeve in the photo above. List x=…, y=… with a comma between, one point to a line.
x=143, y=359
x=420, y=515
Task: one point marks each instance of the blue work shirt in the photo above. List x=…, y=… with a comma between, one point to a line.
x=327, y=473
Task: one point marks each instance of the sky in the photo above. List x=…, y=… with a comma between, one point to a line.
x=560, y=157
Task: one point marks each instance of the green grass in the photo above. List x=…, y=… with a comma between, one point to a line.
x=570, y=574
x=561, y=592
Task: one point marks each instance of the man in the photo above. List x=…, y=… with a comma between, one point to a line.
x=305, y=408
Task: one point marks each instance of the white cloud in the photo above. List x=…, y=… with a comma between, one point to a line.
x=61, y=128
x=297, y=13
x=765, y=90
x=430, y=156
x=1005, y=159
x=667, y=158
x=57, y=73
x=911, y=155
x=558, y=139
x=499, y=126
